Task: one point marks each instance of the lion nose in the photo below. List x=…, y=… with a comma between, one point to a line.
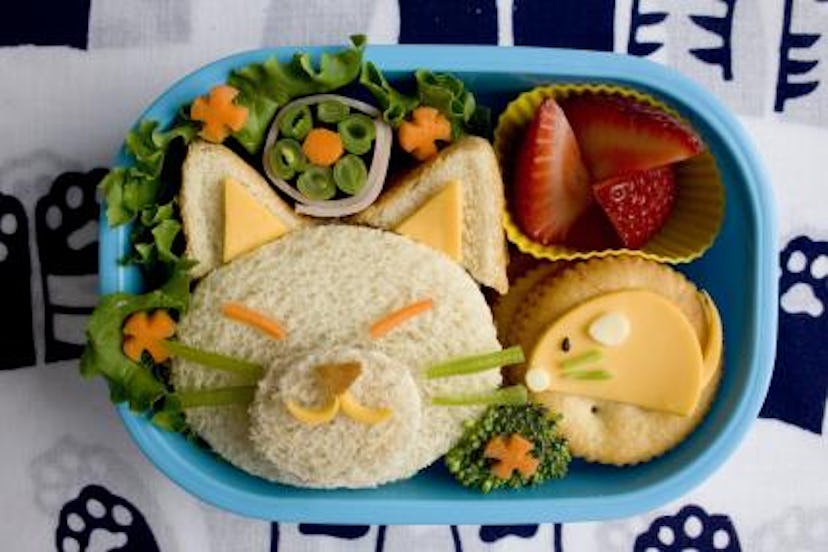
x=336, y=378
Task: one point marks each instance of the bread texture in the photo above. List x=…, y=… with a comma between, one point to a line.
x=601, y=430
x=326, y=285
x=202, y=204
x=472, y=161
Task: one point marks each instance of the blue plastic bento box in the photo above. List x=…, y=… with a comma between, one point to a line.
x=739, y=271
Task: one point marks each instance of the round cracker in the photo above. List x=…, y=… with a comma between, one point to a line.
x=506, y=306
x=600, y=430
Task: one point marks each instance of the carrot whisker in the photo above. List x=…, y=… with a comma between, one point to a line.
x=394, y=319
x=252, y=318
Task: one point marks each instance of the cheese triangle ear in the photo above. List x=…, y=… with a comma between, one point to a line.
x=438, y=222
x=472, y=162
x=203, y=205
x=247, y=224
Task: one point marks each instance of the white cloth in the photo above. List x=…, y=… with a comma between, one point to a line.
x=68, y=109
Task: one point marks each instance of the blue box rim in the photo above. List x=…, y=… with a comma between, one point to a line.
x=564, y=64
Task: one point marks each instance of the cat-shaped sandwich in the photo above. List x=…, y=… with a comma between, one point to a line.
x=343, y=399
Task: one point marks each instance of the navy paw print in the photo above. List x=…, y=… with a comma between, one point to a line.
x=100, y=520
x=690, y=529
x=493, y=533
x=800, y=379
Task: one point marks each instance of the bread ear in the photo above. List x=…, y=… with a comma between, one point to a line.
x=472, y=162
x=204, y=173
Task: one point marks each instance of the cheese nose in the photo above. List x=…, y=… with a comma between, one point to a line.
x=335, y=377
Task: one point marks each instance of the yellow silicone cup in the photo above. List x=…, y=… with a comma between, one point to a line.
x=699, y=207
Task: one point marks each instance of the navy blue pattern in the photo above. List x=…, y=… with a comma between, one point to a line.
x=57, y=218
x=793, y=65
x=582, y=24
x=45, y=23
x=493, y=533
x=722, y=27
x=349, y=532
x=800, y=378
x=675, y=534
x=17, y=339
x=96, y=508
x=455, y=537
x=639, y=19
x=441, y=22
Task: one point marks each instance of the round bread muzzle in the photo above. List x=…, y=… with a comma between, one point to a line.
x=344, y=451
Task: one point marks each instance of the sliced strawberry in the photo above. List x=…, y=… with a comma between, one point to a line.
x=551, y=184
x=593, y=231
x=619, y=135
x=638, y=204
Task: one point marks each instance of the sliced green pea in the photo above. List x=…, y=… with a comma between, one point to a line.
x=296, y=122
x=286, y=158
x=316, y=183
x=332, y=111
x=350, y=174
x=357, y=133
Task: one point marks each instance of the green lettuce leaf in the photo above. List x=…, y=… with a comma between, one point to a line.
x=449, y=96
x=128, y=190
x=155, y=242
x=129, y=381
x=394, y=105
x=442, y=91
x=263, y=87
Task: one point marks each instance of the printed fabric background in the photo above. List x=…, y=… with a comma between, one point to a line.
x=75, y=75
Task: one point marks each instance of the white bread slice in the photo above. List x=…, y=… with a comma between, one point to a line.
x=202, y=201
x=472, y=161
x=314, y=281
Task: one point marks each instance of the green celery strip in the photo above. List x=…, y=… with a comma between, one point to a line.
x=476, y=363
x=589, y=357
x=214, y=397
x=588, y=375
x=215, y=360
x=513, y=395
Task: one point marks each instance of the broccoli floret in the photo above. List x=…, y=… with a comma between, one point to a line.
x=468, y=463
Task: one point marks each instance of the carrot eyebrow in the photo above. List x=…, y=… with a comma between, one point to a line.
x=254, y=319
x=394, y=319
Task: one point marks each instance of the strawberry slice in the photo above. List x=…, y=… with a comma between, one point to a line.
x=551, y=184
x=638, y=204
x=619, y=135
x=593, y=231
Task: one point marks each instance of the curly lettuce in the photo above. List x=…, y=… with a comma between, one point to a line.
x=263, y=87
x=394, y=105
x=129, y=381
x=129, y=190
x=442, y=91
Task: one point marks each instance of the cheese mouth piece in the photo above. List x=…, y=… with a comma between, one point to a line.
x=297, y=425
x=632, y=346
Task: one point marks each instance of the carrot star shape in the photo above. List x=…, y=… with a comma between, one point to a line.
x=419, y=135
x=147, y=332
x=218, y=113
x=511, y=453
